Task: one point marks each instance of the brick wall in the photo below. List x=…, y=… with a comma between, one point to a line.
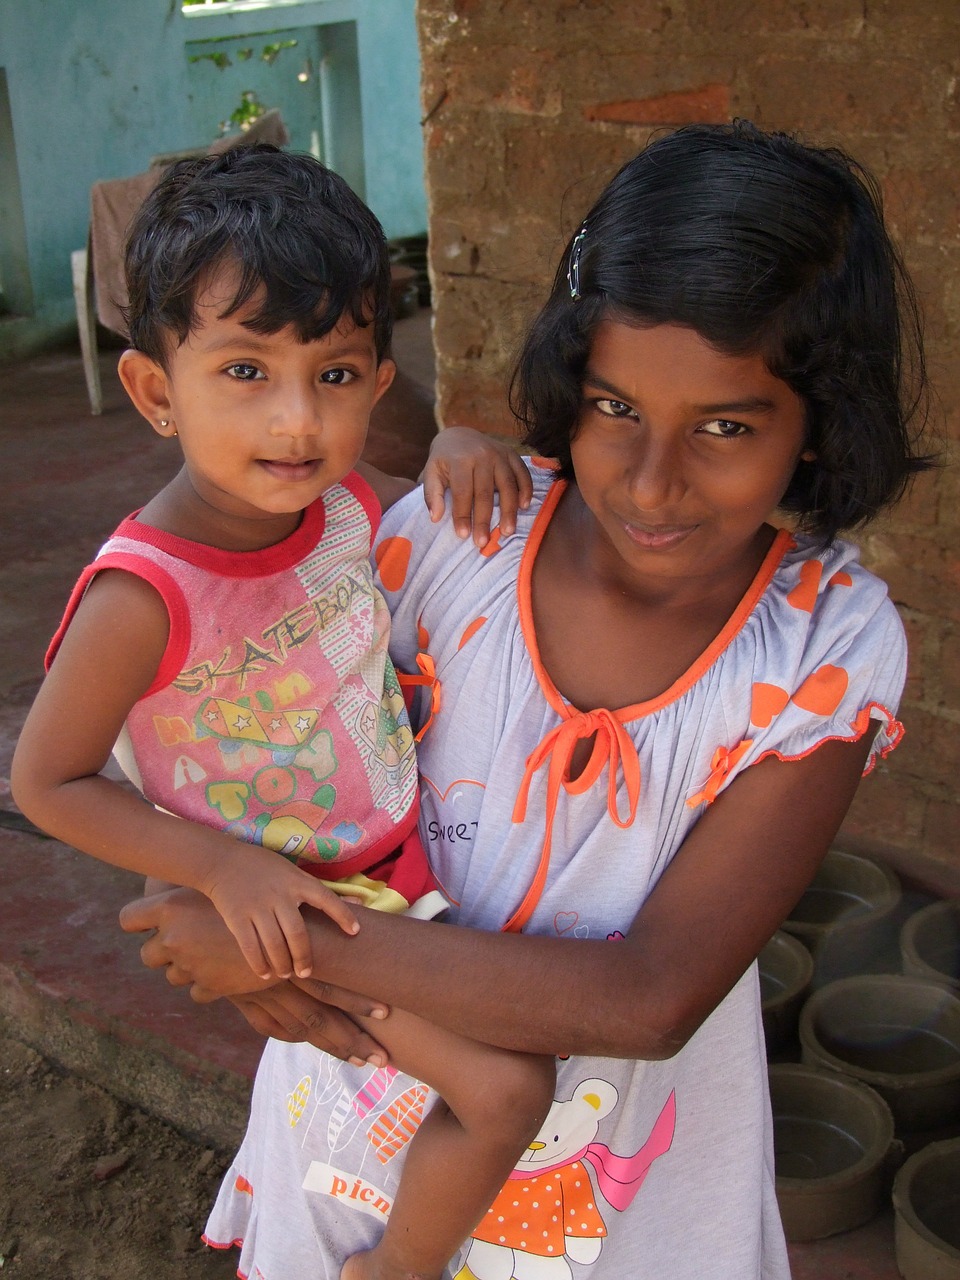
x=529, y=107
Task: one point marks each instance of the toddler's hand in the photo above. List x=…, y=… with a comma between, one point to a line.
x=259, y=894
x=474, y=467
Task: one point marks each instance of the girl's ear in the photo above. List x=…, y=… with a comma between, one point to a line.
x=146, y=384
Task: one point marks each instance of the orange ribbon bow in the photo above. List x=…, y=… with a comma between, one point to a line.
x=612, y=747
x=724, y=761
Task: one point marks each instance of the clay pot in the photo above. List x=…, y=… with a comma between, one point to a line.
x=926, y=1202
x=900, y=1035
x=847, y=918
x=786, y=969
x=930, y=943
x=833, y=1140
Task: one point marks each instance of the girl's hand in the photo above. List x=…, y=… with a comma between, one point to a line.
x=286, y=1013
x=191, y=942
x=474, y=467
x=258, y=893
x=189, y=939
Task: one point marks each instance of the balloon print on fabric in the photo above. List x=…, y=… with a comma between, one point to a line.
x=373, y=1090
x=392, y=1130
x=297, y=1100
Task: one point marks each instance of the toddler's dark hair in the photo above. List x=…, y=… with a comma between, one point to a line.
x=283, y=221
x=760, y=244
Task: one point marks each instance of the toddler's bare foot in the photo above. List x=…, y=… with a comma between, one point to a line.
x=373, y=1265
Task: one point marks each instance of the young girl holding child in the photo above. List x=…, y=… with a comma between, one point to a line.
x=230, y=641
x=656, y=707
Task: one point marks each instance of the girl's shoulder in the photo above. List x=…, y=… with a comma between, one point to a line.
x=823, y=654
x=826, y=588
x=409, y=544
x=409, y=516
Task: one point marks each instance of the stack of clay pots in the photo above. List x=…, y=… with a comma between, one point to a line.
x=862, y=984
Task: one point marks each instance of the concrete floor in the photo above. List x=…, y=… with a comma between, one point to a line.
x=71, y=983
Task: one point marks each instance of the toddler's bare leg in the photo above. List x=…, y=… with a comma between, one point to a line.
x=491, y=1105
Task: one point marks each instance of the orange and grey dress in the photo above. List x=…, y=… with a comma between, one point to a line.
x=642, y=1169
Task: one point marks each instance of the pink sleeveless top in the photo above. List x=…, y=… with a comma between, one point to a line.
x=275, y=714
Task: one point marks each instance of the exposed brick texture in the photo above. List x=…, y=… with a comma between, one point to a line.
x=531, y=107
x=708, y=104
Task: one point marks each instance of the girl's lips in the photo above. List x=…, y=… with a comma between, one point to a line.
x=658, y=538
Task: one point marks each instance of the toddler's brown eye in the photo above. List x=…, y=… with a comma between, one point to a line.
x=244, y=372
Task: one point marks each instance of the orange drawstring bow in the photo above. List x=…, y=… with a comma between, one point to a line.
x=613, y=747
x=426, y=679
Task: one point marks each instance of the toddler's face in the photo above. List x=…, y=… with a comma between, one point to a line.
x=268, y=423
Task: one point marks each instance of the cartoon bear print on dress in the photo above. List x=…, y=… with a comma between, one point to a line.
x=547, y=1211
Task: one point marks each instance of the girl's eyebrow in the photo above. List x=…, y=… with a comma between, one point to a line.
x=752, y=404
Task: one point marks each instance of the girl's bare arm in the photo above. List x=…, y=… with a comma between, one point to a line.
x=736, y=877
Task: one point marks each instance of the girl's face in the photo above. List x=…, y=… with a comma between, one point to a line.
x=266, y=423
x=682, y=452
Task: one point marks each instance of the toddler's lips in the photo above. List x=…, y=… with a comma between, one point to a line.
x=290, y=469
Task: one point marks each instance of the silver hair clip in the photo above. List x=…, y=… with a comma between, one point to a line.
x=573, y=267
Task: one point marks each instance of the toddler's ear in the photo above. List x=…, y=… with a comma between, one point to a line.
x=146, y=384
x=386, y=372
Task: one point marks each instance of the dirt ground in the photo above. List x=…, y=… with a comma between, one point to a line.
x=93, y=1189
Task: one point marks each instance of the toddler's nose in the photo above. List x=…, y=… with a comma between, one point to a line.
x=297, y=414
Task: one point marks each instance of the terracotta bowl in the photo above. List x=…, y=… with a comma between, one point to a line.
x=833, y=1138
x=926, y=1202
x=899, y=1035
x=847, y=918
x=930, y=943
x=786, y=970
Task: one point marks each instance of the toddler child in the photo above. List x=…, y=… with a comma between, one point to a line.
x=229, y=646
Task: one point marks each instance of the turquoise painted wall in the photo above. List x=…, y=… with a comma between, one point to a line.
x=94, y=88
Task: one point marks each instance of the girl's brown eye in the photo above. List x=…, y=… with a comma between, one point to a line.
x=614, y=408
x=725, y=429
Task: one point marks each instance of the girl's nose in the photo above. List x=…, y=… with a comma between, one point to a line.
x=656, y=471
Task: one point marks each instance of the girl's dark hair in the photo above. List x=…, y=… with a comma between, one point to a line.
x=759, y=244
x=283, y=221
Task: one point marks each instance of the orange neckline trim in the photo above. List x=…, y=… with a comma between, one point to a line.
x=636, y=710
